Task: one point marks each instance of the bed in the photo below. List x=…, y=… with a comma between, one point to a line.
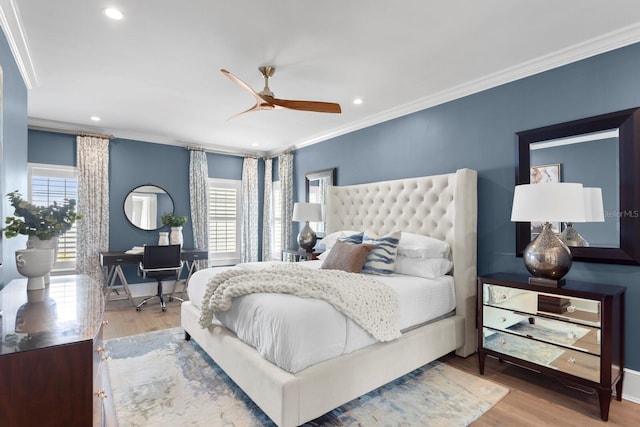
x=441, y=206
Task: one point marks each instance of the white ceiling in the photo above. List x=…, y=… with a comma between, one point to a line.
x=154, y=76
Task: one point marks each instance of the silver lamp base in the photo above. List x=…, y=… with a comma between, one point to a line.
x=307, y=238
x=547, y=258
x=571, y=237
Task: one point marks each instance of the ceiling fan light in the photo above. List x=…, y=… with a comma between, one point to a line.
x=113, y=13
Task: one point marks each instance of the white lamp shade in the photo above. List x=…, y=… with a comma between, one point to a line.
x=553, y=202
x=307, y=212
x=594, y=210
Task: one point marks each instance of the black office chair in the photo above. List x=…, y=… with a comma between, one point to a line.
x=160, y=262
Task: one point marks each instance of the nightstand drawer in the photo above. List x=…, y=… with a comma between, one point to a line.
x=572, y=362
x=552, y=331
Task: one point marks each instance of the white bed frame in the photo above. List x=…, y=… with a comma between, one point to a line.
x=442, y=206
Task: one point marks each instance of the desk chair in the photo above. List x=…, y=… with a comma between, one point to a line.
x=160, y=262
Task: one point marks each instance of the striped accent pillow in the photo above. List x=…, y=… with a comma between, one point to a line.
x=382, y=258
x=354, y=239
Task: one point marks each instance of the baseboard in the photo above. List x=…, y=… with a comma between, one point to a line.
x=631, y=386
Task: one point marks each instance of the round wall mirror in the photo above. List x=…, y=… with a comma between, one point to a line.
x=145, y=205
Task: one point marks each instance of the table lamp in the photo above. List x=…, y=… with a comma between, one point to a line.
x=305, y=212
x=546, y=257
x=594, y=212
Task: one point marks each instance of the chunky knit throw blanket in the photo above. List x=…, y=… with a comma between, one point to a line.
x=367, y=301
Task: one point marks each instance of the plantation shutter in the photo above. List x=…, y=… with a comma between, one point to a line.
x=224, y=225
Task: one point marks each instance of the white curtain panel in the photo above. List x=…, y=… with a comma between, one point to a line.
x=199, y=201
x=267, y=212
x=93, y=203
x=249, y=231
x=285, y=170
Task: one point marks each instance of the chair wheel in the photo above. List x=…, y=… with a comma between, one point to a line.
x=138, y=308
x=170, y=299
x=164, y=308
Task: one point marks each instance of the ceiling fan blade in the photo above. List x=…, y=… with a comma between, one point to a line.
x=316, y=106
x=243, y=85
x=256, y=107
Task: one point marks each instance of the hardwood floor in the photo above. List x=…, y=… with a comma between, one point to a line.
x=533, y=399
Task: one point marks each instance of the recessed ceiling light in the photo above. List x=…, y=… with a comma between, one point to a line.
x=95, y=118
x=113, y=13
x=255, y=144
x=358, y=101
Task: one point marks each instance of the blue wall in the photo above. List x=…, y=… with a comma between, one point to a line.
x=13, y=152
x=478, y=132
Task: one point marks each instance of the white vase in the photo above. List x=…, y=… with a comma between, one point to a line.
x=34, y=264
x=163, y=240
x=175, y=237
x=34, y=242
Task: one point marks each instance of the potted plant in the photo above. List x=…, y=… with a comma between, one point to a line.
x=173, y=221
x=176, y=223
x=43, y=225
x=43, y=222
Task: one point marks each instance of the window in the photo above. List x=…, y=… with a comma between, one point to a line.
x=224, y=221
x=55, y=183
x=276, y=210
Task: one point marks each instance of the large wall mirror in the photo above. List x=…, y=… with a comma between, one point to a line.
x=316, y=184
x=600, y=151
x=145, y=205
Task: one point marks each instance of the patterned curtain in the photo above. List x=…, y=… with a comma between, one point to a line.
x=285, y=169
x=93, y=203
x=267, y=213
x=249, y=231
x=199, y=201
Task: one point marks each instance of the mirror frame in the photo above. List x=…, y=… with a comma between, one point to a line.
x=124, y=202
x=628, y=124
x=312, y=176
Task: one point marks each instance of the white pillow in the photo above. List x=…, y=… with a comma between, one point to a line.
x=329, y=240
x=419, y=246
x=431, y=268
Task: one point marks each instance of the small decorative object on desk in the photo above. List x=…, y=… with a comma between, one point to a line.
x=176, y=223
x=163, y=240
x=43, y=225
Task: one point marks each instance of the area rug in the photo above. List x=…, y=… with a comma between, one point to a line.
x=158, y=379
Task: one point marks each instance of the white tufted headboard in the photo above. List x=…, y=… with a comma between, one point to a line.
x=440, y=206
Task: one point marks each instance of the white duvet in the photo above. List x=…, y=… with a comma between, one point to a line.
x=294, y=332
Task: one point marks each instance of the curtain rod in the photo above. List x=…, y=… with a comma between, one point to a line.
x=226, y=153
x=72, y=132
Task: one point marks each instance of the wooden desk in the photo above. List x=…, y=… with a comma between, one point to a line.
x=112, y=262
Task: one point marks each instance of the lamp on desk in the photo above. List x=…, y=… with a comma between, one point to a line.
x=547, y=258
x=305, y=212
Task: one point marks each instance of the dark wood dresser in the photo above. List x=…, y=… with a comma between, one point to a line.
x=51, y=354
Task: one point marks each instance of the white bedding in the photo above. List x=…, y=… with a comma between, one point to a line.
x=309, y=330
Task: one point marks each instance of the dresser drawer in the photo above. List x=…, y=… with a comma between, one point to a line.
x=552, y=331
x=572, y=362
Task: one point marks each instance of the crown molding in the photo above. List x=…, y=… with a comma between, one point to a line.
x=608, y=42
x=11, y=24
x=46, y=125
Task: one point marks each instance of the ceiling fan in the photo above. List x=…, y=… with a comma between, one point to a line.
x=265, y=99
